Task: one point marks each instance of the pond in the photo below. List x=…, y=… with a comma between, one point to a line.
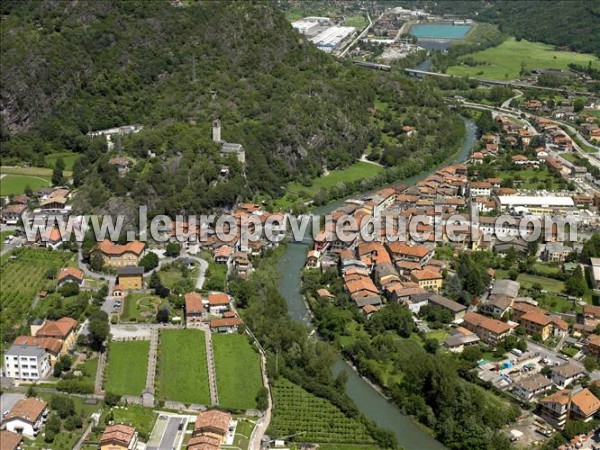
x=439, y=31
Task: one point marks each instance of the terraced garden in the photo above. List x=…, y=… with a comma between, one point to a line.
x=23, y=276
x=296, y=410
x=127, y=367
x=237, y=365
x=182, y=371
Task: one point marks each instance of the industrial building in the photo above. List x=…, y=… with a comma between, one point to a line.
x=332, y=38
x=311, y=26
x=535, y=204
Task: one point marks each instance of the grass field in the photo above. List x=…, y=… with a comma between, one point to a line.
x=504, y=61
x=296, y=409
x=31, y=171
x=127, y=366
x=182, y=370
x=69, y=159
x=140, y=308
x=360, y=170
x=16, y=184
x=21, y=279
x=237, y=366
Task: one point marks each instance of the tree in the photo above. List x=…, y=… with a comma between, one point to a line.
x=99, y=329
x=162, y=315
x=69, y=289
x=155, y=281
x=31, y=391
x=578, y=104
x=52, y=428
x=173, y=249
x=262, y=399
x=57, y=172
x=62, y=364
x=111, y=399
x=63, y=405
x=576, y=285
x=590, y=363
x=431, y=346
x=96, y=262
x=149, y=261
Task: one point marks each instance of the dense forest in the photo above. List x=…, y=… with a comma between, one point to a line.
x=567, y=23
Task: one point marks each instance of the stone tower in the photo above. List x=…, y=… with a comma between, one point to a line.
x=216, y=131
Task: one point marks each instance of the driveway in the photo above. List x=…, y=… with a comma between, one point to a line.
x=166, y=434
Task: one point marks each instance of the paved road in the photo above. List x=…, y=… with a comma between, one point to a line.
x=171, y=434
x=259, y=430
x=360, y=36
x=506, y=104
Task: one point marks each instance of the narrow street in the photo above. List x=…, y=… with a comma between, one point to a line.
x=210, y=361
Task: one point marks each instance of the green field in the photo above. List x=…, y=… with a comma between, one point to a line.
x=296, y=409
x=182, y=370
x=127, y=367
x=504, y=61
x=16, y=184
x=23, y=275
x=237, y=365
x=358, y=171
x=140, y=308
x=69, y=159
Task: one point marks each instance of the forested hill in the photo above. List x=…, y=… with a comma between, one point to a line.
x=69, y=67
x=569, y=23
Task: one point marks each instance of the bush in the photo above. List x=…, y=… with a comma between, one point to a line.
x=111, y=399
x=75, y=386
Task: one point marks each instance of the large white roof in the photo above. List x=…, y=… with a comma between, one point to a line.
x=529, y=200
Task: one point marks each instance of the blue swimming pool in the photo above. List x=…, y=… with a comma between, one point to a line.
x=439, y=31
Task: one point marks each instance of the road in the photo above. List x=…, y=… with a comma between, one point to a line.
x=506, y=104
x=259, y=430
x=360, y=36
x=171, y=433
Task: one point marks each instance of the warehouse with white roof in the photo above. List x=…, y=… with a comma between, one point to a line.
x=535, y=204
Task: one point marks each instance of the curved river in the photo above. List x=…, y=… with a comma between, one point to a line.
x=366, y=398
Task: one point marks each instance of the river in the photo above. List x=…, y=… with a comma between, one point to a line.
x=366, y=398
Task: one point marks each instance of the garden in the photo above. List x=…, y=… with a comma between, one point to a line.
x=237, y=365
x=297, y=410
x=140, y=307
x=24, y=274
x=182, y=370
x=127, y=366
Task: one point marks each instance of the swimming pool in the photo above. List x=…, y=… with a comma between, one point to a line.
x=439, y=31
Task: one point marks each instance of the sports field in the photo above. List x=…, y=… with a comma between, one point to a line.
x=127, y=367
x=182, y=371
x=16, y=184
x=505, y=60
x=237, y=365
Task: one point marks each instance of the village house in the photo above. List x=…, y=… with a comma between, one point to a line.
x=194, y=309
x=229, y=323
x=26, y=417
x=584, y=405
x=11, y=214
x=456, y=309
x=210, y=430
x=428, y=279
x=52, y=346
x=69, y=275
x=116, y=255
x=26, y=362
x=556, y=252
x=64, y=329
x=218, y=303
x=10, y=440
x=223, y=254
x=118, y=437
x=130, y=277
x=532, y=386
x=480, y=189
x=593, y=345
x=565, y=374
x=460, y=339
x=554, y=408
x=416, y=253
x=489, y=330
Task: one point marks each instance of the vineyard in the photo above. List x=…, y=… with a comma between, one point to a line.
x=23, y=275
x=297, y=411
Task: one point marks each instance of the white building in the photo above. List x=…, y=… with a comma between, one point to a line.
x=536, y=204
x=565, y=374
x=27, y=417
x=26, y=362
x=332, y=37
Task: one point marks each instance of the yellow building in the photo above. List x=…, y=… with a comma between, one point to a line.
x=535, y=322
x=428, y=279
x=116, y=255
x=130, y=277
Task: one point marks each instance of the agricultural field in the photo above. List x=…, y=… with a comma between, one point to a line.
x=23, y=276
x=11, y=184
x=504, y=61
x=237, y=366
x=182, y=369
x=140, y=308
x=126, y=367
x=296, y=409
x=68, y=158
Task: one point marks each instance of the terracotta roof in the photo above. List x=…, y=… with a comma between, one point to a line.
x=218, y=299
x=537, y=318
x=587, y=402
x=493, y=325
x=70, y=271
x=9, y=440
x=324, y=293
x=400, y=248
x=224, y=251
x=203, y=442
x=560, y=397
x=426, y=274
x=214, y=420
x=364, y=284
x=28, y=409
x=591, y=310
x=49, y=344
x=109, y=248
x=226, y=322
x=57, y=328
x=193, y=302
x=117, y=434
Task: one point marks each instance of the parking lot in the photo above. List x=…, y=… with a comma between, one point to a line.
x=529, y=428
x=168, y=432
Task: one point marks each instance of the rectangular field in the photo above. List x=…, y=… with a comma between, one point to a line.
x=504, y=61
x=11, y=184
x=127, y=367
x=68, y=158
x=182, y=369
x=237, y=364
